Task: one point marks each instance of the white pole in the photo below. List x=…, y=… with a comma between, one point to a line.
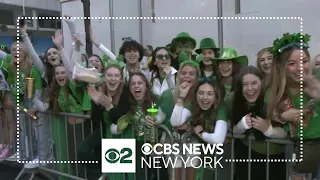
x=24, y=11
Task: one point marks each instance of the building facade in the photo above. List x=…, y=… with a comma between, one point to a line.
x=40, y=31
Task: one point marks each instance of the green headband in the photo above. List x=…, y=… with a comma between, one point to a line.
x=114, y=63
x=288, y=41
x=190, y=62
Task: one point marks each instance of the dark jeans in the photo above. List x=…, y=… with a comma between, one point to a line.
x=277, y=170
x=90, y=150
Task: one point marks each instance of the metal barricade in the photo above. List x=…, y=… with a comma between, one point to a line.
x=68, y=133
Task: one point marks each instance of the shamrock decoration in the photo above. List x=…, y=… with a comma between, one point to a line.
x=287, y=40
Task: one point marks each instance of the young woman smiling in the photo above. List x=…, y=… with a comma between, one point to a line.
x=284, y=99
x=249, y=117
x=109, y=104
x=69, y=96
x=137, y=121
x=229, y=64
x=209, y=119
x=162, y=73
x=52, y=56
x=182, y=98
x=264, y=64
x=208, y=51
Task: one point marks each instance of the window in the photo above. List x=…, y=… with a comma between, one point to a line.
x=7, y=17
x=49, y=23
x=237, y=6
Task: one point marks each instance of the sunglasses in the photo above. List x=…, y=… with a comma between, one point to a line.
x=206, y=79
x=163, y=57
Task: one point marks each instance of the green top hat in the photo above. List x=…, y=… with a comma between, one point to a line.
x=183, y=36
x=207, y=43
x=231, y=54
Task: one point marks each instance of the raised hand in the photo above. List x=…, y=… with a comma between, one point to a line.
x=184, y=89
x=94, y=94
x=167, y=70
x=57, y=39
x=105, y=101
x=92, y=37
x=77, y=40
x=311, y=86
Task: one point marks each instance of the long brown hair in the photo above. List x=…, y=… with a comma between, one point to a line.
x=116, y=98
x=154, y=68
x=48, y=67
x=55, y=91
x=198, y=114
x=148, y=98
x=279, y=81
x=235, y=70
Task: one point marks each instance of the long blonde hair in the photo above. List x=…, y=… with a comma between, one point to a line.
x=192, y=90
x=279, y=81
x=25, y=64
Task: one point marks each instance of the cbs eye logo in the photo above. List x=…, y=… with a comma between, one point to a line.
x=113, y=155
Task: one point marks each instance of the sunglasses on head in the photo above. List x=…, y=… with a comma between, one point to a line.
x=204, y=79
x=161, y=56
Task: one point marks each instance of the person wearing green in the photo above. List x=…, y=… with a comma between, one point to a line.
x=110, y=102
x=228, y=65
x=26, y=70
x=136, y=124
x=208, y=120
x=247, y=112
x=207, y=51
x=285, y=98
x=176, y=105
x=70, y=96
x=183, y=42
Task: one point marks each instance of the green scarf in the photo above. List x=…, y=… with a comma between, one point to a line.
x=70, y=104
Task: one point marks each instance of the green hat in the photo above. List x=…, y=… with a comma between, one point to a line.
x=183, y=56
x=183, y=36
x=207, y=43
x=199, y=58
x=231, y=54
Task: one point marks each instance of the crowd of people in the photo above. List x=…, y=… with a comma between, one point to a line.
x=208, y=92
